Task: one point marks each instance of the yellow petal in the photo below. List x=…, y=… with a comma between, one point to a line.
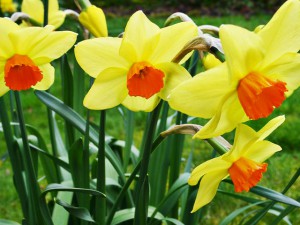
x=93, y=19
x=286, y=69
x=201, y=96
x=210, y=166
x=172, y=40
x=262, y=150
x=282, y=33
x=128, y=52
x=53, y=6
x=141, y=104
x=243, y=50
x=42, y=44
x=52, y=47
x=29, y=35
x=226, y=119
x=57, y=19
x=48, y=77
x=210, y=61
x=245, y=136
x=270, y=127
x=98, y=54
x=6, y=46
x=174, y=75
x=138, y=33
x=3, y=87
x=35, y=9
x=208, y=188
x=108, y=90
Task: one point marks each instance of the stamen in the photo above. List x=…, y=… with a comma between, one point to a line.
x=245, y=173
x=20, y=73
x=259, y=95
x=144, y=80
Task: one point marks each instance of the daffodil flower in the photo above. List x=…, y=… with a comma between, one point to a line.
x=93, y=19
x=26, y=53
x=243, y=163
x=260, y=71
x=35, y=10
x=7, y=6
x=135, y=70
x=210, y=61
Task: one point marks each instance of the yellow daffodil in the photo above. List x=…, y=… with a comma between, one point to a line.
x=93, y=19
x=210, y=61
x=7, y=6
x=135, y=70
x=243, y=163
x=35, y=10
x=260, y=71
x=26, y=53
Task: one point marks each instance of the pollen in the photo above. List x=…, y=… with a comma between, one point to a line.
x=246, y=173
x=259, y=95
x=20, y=73
x=144, y=80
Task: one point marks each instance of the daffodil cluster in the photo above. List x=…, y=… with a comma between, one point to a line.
x=139, y=68
x=259, y=73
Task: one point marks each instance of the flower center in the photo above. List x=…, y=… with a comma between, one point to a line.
x=20, y=73
x=245, y=173
x=144, y=80
x=259, y=95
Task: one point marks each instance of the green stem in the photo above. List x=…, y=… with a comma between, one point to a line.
x=123, y=191
x=176, y=155
x=84, y=4
x=46, y=11
x=101, y=202
x=14, y=158
x=217, y=146
x=33, y=187
x=129, y=123
x=142, y=196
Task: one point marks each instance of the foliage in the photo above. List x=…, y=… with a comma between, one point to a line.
x=73, y=165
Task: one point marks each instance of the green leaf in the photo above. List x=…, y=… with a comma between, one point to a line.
x=158, y=180
x=60, y=187
x=128, y=214
x=67, y=93
x=272, y=195
x=171, y=198
x=228, y=219
x=176, y=190
x=8, y=222
x=56, y=160
x=50, y=167
x=78, y=122
x=59, y=215
x=174, y=221
x=79, y=212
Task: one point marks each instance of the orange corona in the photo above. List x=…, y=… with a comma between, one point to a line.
x=144, y=80
x=21, y=73
x=245, y=173
x=259, y=95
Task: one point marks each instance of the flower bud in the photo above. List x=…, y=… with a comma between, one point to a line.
x=93, y=19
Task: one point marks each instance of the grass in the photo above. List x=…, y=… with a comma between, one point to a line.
x=281, y=167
